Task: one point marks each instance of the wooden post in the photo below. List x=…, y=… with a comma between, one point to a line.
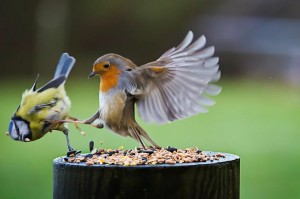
x=217, y=179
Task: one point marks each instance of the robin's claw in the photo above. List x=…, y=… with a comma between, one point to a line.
x=99, y=126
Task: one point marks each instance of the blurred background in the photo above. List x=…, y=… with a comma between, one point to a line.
x=256, y=115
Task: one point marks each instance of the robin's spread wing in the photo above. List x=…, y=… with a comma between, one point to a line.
x=176, y=85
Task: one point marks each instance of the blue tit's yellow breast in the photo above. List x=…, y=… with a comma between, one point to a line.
x=31, y=99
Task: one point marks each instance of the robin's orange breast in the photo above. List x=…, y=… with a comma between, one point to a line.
x=109, y=79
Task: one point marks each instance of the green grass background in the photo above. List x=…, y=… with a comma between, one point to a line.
x=257, y=120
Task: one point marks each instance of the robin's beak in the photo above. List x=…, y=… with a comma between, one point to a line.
x=92, y=74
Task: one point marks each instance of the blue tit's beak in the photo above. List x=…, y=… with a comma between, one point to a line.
x=92, y=74
x=19, y=130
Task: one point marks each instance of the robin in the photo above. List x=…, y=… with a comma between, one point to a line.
x=173, y=87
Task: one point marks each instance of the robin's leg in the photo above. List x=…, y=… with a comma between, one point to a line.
x=76, y=121
x=92, y=119
x=134, y=133
x=75, y=124
x=141, y=133
x=140, y=141
x=146, y=136
x=99, y=126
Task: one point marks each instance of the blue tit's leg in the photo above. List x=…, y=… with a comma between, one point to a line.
x=66, y=132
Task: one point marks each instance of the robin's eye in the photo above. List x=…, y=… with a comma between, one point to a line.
x=106, y=65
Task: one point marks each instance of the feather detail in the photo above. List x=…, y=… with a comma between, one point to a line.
x=64, y=66
x=177, y=84
x=33, y=88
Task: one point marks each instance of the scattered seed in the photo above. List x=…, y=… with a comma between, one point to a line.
x=77, y=152
x=145, y=151
x=170, y=161
x=144, y=159
x=89, y=155
x=71, y=153
x=89, y=163
x=171, y=149
x=139, y=156
x=91, y=145
x=94, y=151
x=220, y=155
x=111, y=153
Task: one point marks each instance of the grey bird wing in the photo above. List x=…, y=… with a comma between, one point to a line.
x=176, y=85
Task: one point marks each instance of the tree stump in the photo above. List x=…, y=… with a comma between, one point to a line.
x=217, y=179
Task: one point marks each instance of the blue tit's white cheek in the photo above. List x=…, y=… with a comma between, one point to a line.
x=10, y=127
x=23, y=130
x=19, y=130
x=13, y=131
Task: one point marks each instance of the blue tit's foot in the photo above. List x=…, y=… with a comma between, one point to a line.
x=70, y=148
x=73, y=153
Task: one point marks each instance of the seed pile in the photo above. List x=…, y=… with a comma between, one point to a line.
x=138, y=156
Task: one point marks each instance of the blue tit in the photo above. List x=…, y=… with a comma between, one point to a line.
x=32, y=119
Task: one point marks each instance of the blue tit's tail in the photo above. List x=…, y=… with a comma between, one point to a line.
x=64, y=66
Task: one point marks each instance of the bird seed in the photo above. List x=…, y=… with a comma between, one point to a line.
x=148, y=156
